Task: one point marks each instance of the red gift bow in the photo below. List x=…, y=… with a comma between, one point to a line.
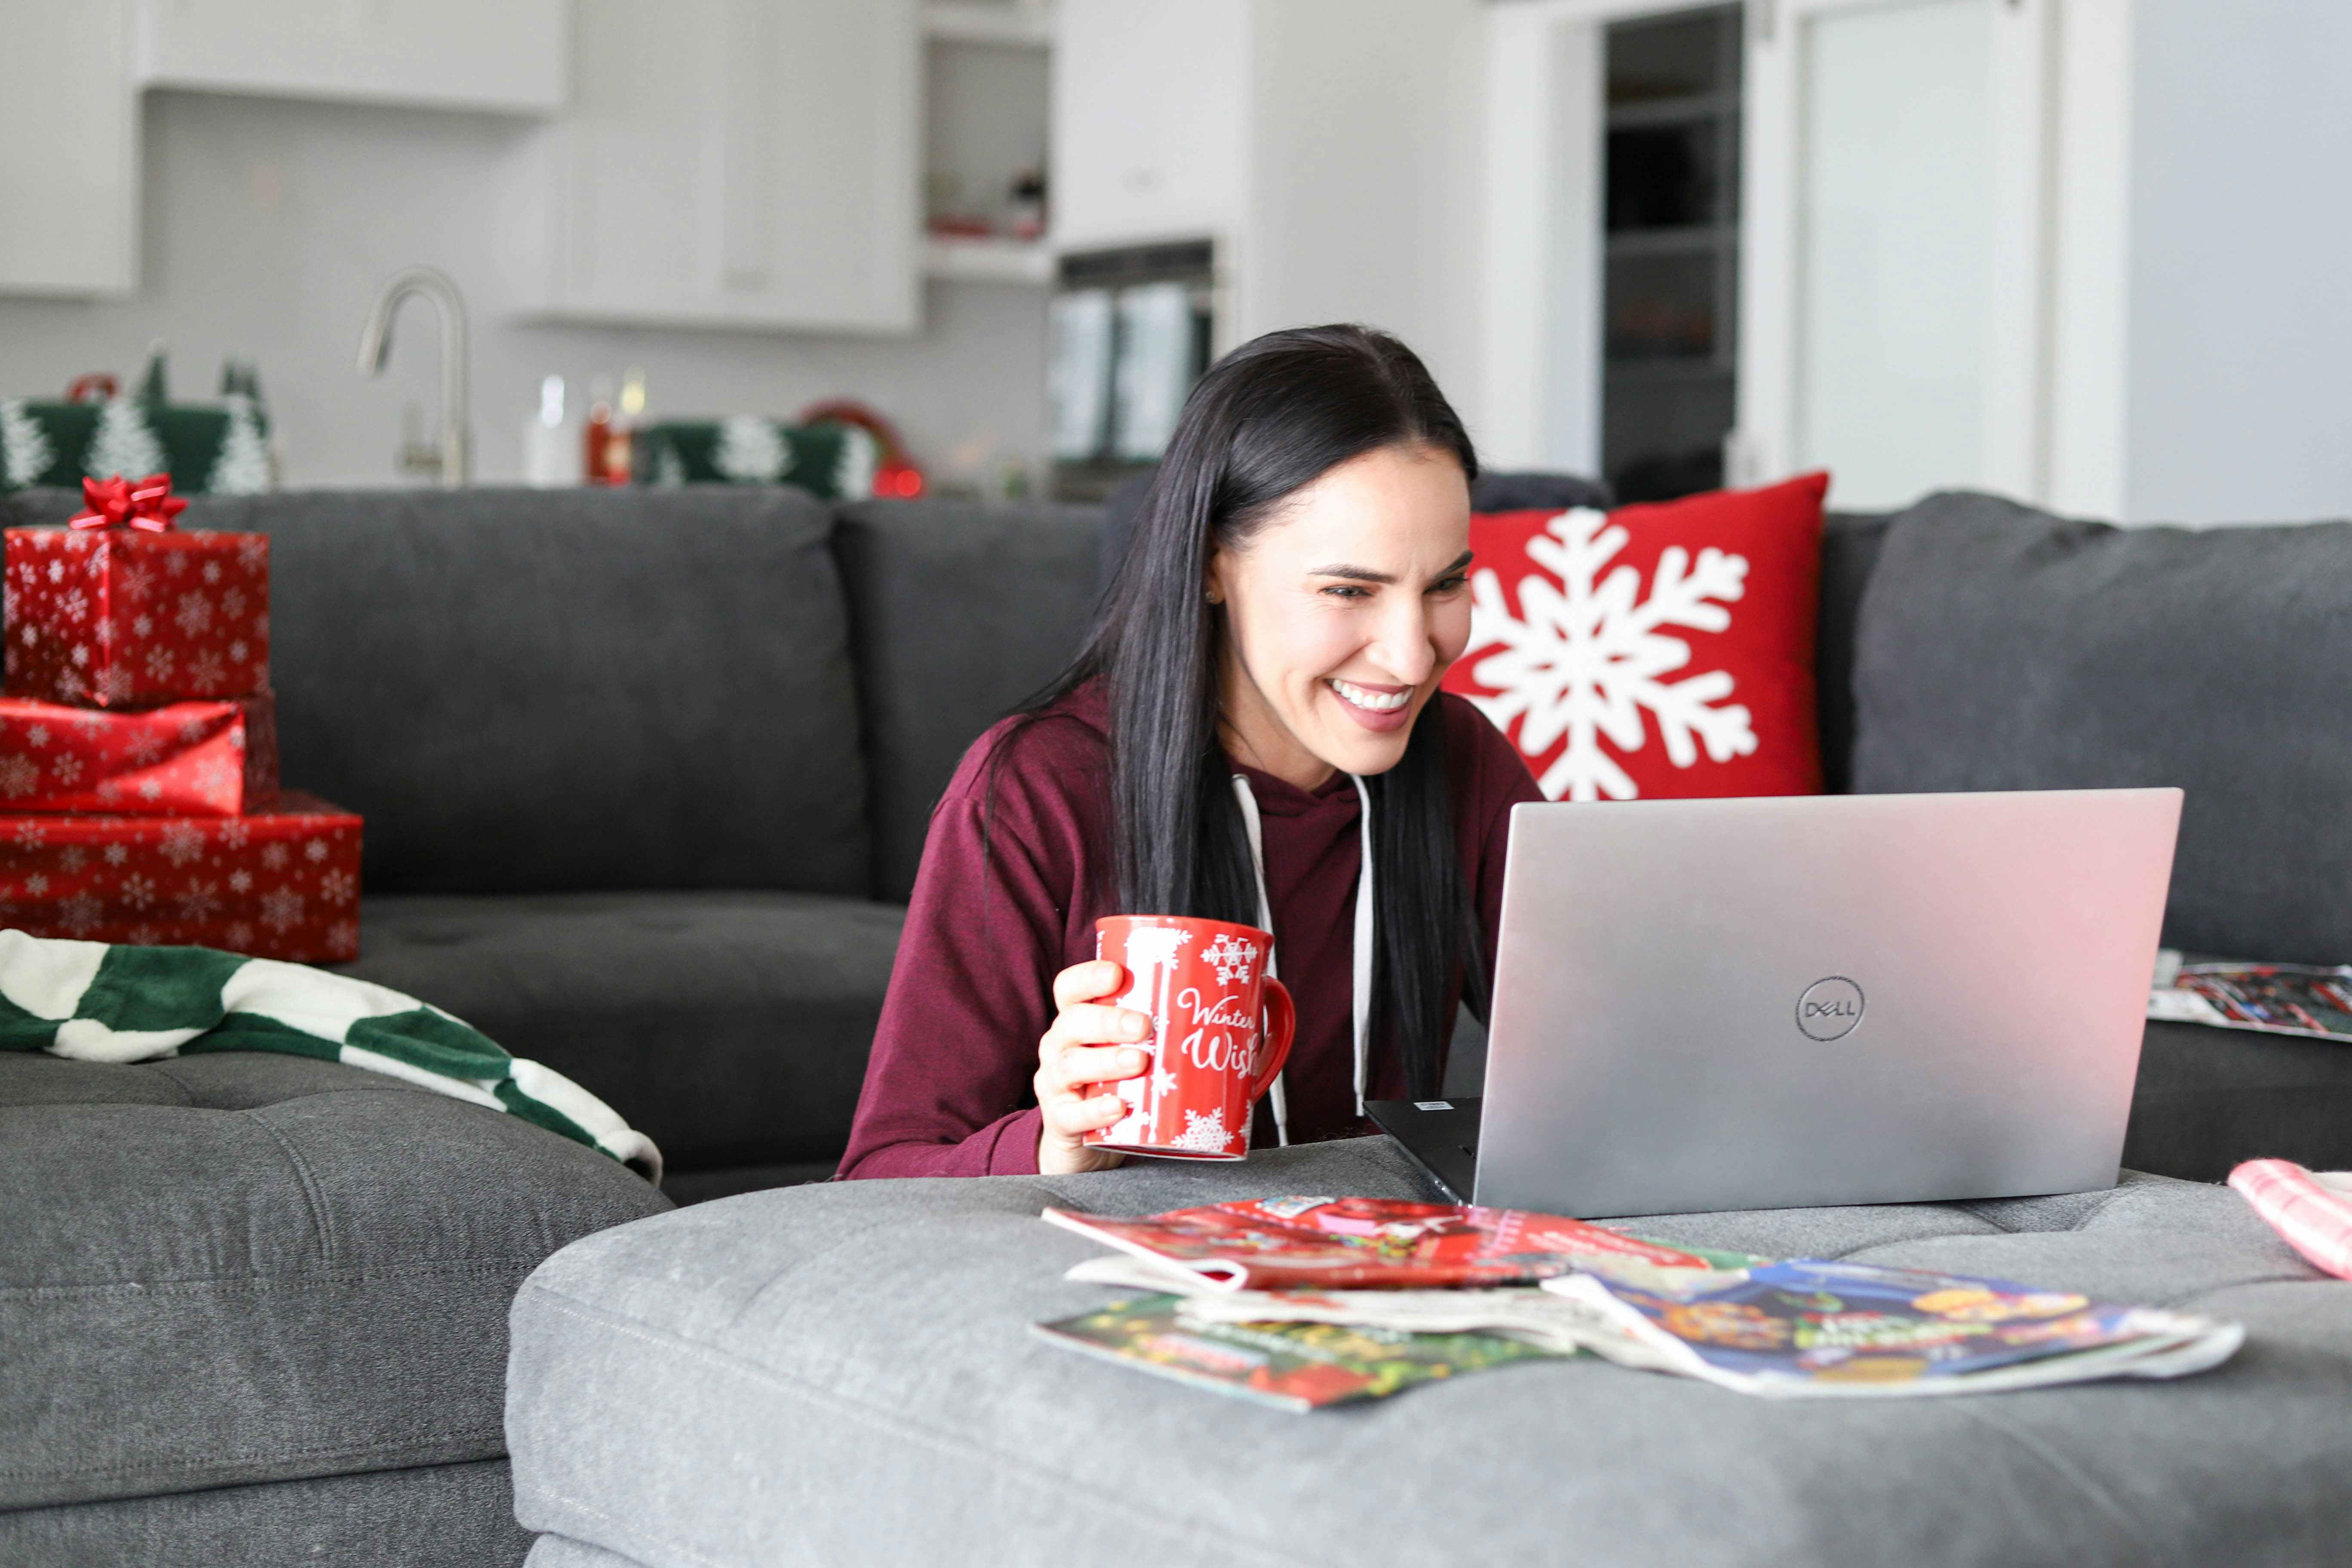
x=148, y=505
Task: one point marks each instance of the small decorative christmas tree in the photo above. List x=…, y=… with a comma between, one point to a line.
x=852, y=479
x=25, y=452
x=242, y=465
x=125, y=443
x=750, y=450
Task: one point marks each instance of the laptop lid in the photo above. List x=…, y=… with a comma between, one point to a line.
x=1831, y=999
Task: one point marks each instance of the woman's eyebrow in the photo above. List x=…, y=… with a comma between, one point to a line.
x=1366, y=575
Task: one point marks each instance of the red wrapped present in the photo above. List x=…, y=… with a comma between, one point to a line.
x=189, y=759
x=123, y=610
x=280, y=883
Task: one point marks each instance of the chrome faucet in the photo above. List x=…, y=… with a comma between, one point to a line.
x=453, y=458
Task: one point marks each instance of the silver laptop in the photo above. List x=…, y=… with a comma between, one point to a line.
x=1830, y=999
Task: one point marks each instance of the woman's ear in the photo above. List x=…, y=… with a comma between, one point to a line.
x=1213, y=582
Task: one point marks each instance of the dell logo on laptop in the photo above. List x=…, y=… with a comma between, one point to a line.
x=1830, y=1008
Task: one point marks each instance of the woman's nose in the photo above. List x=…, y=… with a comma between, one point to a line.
x=1403, y=649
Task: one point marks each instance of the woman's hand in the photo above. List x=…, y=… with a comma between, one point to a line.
x=1090, y=1047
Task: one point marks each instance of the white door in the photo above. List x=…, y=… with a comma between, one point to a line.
x=737, y=162
x=1893, y=252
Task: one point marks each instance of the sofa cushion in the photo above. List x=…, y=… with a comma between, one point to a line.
x=732, y=1029
x=535, y=689
x=1850, y=542
x=431, y=1516
x=2000, y=647
x=957, y=613
x=842, y=1375
x=226, y=1269
x=2207, y=1098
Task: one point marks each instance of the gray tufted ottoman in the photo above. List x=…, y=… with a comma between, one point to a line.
x=252, y=1310
x=840, y=1374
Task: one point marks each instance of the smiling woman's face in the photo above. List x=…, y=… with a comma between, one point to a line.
x=1343, y=612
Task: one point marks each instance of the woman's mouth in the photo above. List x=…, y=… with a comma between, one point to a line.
x=1375, y=708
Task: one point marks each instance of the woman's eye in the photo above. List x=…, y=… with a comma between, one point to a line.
x=1347, y=591
x=1452, y=584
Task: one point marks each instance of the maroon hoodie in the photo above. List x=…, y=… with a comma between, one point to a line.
x=1007, y=899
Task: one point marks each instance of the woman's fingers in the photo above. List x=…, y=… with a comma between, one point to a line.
x=1079, y=1065
x=1073, y=1117
x=1089, y=982
x=1083, y=1051
x=1093, y=1024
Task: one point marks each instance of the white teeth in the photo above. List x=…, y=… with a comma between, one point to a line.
x=1376, y=701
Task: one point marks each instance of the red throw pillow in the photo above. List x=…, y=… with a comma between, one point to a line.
x=1656, y=650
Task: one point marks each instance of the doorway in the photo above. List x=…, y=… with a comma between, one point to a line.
x=1670, y=272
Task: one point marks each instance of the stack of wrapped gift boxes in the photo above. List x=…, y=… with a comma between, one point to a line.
x=139, y=799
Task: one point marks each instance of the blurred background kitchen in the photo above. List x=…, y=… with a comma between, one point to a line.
x=2084, y=252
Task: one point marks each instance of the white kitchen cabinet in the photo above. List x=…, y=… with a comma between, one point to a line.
x=734, y=164
x=1150, y=119
x=69, y=120
x=507, y=55
x=1328, y=147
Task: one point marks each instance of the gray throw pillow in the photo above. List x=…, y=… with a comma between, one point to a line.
x=2000, y=647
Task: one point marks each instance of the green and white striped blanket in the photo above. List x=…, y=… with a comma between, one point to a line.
x=94, y=1002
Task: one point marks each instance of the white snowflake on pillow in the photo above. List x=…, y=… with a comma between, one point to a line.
x=1584, y=658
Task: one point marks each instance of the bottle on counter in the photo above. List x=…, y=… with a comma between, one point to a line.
x=1025, y=206
x=551, y=451
x=632, y=419
x=597, y=445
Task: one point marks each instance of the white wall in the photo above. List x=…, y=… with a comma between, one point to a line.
x=2241, y=313
x=270, y=226
x=1536, y=402
x=1365, y=194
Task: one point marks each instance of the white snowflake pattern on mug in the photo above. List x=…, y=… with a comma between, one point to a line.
x=1203, y=1134
x=1233, y=959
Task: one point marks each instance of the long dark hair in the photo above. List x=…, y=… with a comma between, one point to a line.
x=1269, y=419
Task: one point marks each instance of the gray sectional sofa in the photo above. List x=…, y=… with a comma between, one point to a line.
x=647, y=777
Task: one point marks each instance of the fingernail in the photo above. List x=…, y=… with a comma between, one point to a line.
x=1131, y=1060
x=1137, y=1028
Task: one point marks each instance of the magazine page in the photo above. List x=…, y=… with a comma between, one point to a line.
x=1561, y=1324
x=1385, y=1243
x=2276, y=998
x=1299, y=1366
x=1808, y=1328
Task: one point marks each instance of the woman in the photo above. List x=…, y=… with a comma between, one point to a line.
x=1264, y=670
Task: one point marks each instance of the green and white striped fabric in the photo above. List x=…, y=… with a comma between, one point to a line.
x=97, y=1002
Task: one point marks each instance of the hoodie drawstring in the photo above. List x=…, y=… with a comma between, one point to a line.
x=1361, y=967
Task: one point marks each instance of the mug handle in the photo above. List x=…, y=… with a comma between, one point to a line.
x=1281, y=1023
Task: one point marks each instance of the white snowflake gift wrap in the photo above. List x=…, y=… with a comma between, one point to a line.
x=283, y=882
x=1662, y=650
x=115, y=617
x=185, y=759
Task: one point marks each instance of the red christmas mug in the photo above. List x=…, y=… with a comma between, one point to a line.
x=1221, y=1029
